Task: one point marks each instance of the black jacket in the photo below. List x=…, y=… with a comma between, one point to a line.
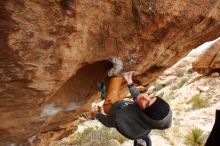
x=131, y=122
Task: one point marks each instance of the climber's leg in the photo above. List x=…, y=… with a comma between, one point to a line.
x=112, y=95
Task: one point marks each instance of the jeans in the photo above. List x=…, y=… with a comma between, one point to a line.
x=146, y=141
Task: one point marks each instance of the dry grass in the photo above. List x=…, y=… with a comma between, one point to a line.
x=195, y=137
x=102, y=134
x=179, y=72
x=159, y=86
x=171, y=135
x=198, y=101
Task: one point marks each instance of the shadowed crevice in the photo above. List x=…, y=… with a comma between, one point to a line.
x=80, y=87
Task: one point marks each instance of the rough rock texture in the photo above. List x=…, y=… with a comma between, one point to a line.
x=53, y=52
x=177, y=90
x=209, y=60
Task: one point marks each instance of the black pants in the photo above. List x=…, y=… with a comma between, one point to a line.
x=146, y=139
x=213, y=139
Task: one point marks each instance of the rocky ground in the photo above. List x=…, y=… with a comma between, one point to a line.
x=177, y=86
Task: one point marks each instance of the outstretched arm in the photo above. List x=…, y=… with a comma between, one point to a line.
x=133, y=90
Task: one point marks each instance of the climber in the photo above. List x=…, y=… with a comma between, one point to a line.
x=134, y=119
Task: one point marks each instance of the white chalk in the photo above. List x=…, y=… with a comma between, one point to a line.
x=72, y=106
x=50, y=110
x=117, y=66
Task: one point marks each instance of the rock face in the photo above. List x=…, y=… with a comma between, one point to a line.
x=54, y=52
x=209, y=61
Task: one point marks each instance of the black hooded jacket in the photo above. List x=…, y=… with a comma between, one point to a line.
x=131, y=121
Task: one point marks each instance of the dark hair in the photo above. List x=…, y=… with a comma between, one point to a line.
x=158, y=110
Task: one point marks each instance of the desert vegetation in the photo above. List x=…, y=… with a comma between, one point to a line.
x=191, y=105
x=198, y=101
x=92, y=136
x=195, y=137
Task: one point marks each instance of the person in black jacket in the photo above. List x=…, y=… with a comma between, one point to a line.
x=136, y=119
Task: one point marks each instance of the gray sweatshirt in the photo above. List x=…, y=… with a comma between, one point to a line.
x=131, y=121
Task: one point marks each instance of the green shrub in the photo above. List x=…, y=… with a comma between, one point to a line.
x=159, y=86
x=198, y=101
x=179, y=72
x=169, y=96
x=174, y=87
x=195, y=137
x=182, y=82
x=101, y=134
x=189, y=71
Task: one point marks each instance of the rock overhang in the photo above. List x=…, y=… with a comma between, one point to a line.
x=44, y=44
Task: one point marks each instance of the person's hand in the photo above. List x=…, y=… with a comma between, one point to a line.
x=93, y=114
x=128, y=76
x=95, y=111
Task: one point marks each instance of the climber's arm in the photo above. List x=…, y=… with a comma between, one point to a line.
x=105, y=120
x=133, y=90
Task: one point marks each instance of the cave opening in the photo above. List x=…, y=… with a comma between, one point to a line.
x=82, y=85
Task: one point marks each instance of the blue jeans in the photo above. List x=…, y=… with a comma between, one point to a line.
x=146, y=139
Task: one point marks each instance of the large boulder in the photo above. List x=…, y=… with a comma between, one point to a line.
x=209, y=61
x=53, y=52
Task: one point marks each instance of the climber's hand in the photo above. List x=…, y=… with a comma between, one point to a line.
x=93, y=114
x=95, y=110
x=128, y=76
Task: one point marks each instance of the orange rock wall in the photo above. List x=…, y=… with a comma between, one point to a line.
x=52, y=53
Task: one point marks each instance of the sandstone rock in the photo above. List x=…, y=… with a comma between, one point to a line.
x=159, y=140
x=151, y=89
x=195, y=78
x=203, y=88
x=215, y=74
x=160, y=94
x=54, y=52
x=209, y=60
